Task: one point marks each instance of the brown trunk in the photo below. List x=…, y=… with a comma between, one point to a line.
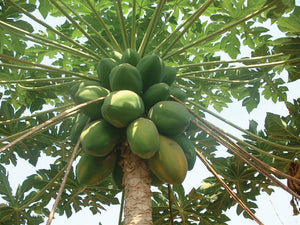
x=138, y=203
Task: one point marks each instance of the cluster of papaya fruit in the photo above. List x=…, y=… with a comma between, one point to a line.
x=137, y=110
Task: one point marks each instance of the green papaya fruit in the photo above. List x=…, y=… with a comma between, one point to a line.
x=122, y=107
x=178, y=93
x=103, y=70
x=99, y=138
x=156, y=93
x=79, y=124
x=143, y=137
x=125, y=77
x=130, y=56
x=82, y=84
x=117, y=56
x=151, y=68
x=89, y=93
x=169, y=163
x=188, y=149
x=92, y=170
x=170, y=117
x=170, y=75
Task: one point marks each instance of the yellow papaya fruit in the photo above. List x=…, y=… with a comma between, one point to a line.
x=169, y=163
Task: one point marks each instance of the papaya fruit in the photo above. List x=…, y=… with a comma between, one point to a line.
x=125, y=77
x=99, y=138
x=151, y=68
x=188, y=149
x=156, y=93
x=170, y=75
x=169, y=163
x=117, y=56
x=92, y=170
x=143, y=137
x=122, y=107
x=170, y=117
x=155, y=181
x=89, y=93
x=130, y=56
x=82, y=84
x=79, y=124
x=103, y=70
x=178, y=93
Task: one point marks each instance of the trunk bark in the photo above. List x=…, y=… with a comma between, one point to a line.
x=136, y=181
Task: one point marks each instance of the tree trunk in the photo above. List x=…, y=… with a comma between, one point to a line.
x=136, y=180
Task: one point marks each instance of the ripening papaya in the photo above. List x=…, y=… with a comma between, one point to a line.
x=169, y=163
x=143, y=137
x=170, y=75
x=151, y=68
x=156, y=93
x=171, y=118
x=122, y=107
x=188, y=149
x=125, y=77
x=103, y=70
x=178, y=93
x=130, y=56
x=99, y=138
x=92, y=170
x=89, y=93
x=79, y=124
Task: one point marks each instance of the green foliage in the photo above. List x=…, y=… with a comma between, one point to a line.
x=208, y=55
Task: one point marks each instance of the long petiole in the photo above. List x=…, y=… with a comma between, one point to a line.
x=48, y=122
x=258, y=58
x=49, y=68
x=38, y=114
x=150, y=28
x=42, y=40
x=278, y=146
x=79, y=27
x=107, y=31
x=261, y=65
x=221, y=31
x=120, y=16
x=227, y=188
x=190, y=23
x=52, y=28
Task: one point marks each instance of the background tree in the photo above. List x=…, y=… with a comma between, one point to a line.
x=40, y=61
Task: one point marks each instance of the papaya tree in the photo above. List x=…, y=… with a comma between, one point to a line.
x=116, y=95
